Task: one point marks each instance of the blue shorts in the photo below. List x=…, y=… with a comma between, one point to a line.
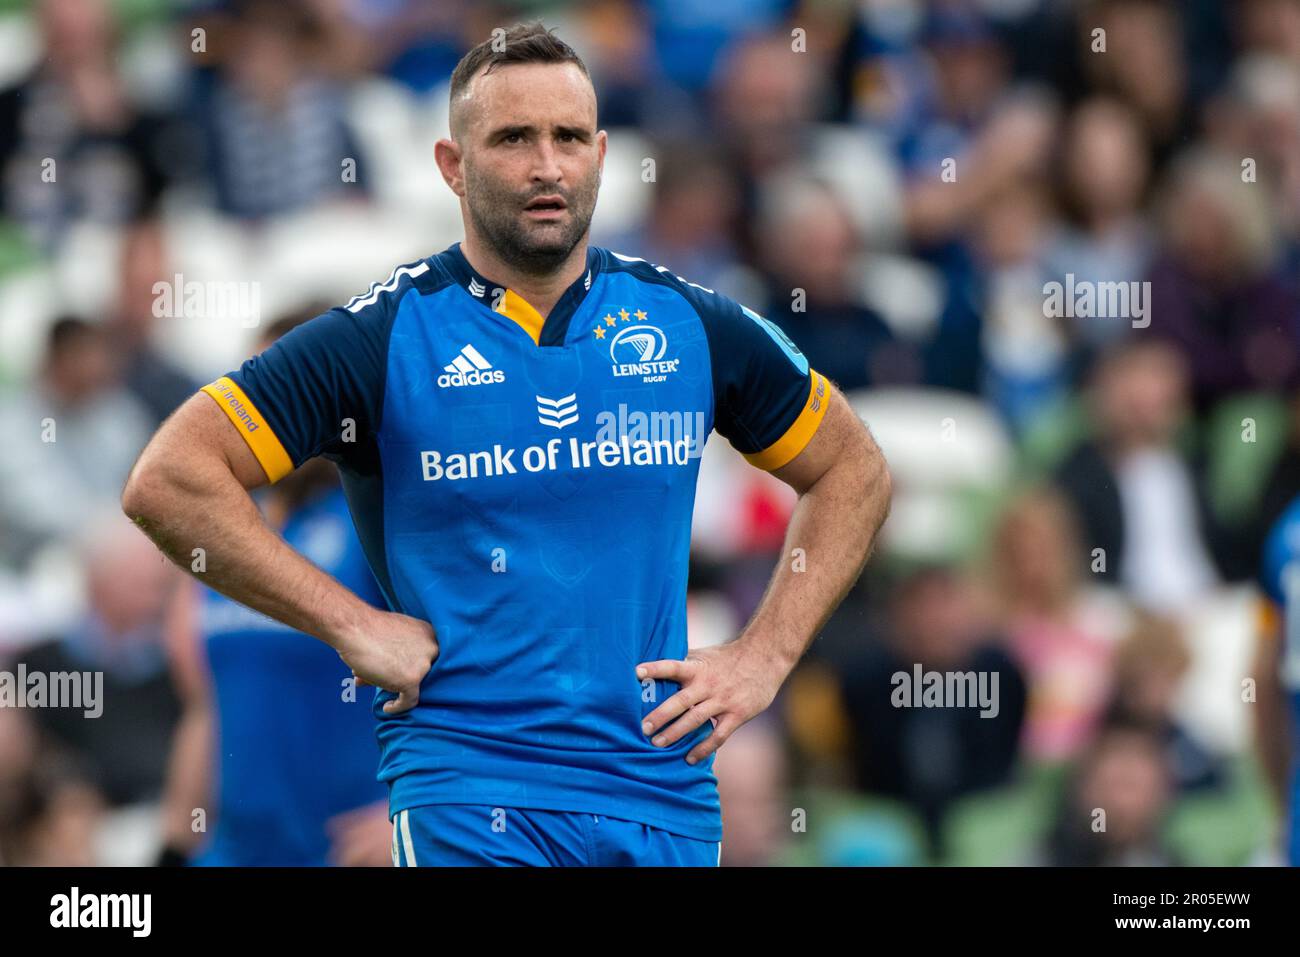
x=480, y=835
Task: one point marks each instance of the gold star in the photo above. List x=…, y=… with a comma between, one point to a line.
x=600, y=332
x=609, y=320
x=623, y=314
x=640, y=315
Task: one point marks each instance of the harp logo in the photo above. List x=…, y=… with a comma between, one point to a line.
x=639, y=351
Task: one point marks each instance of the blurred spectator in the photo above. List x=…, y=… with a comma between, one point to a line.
x=985, y=135
x=1105, y=171
x=690, y=224
x=70, y=441
x=690, y=38
x=1144, y=64
x=1272, y=26
x=1214, y=293
x=752, y=785
x=929, y=756
x=948, y=193
x=1114, y=805
x=63, y=830
x=72, y=145
x=765, y=105
x=276, y=131
x=813, y=255
x=1026, y=350
x=1257, y=117
x=1145, y=519
x=960, y=72
x=1149, y=670
x=149, y=376
x=967, y=139
x=124, y=748
x=48, y=812
x=416, y=43
x=18, y=754
x=1061, y=632
x=619, y=52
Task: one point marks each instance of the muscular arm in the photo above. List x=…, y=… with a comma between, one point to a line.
x=844, y=492
x=189, y=489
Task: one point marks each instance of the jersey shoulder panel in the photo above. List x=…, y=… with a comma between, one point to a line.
x=319, y=389
x=380, y=301
x=768, y=402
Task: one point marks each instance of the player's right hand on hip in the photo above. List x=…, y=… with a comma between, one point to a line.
x=395, y=652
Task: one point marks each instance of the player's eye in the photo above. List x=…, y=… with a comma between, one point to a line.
x=513, y=138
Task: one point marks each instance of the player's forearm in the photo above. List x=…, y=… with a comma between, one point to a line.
x=197, y=503
x=827, y=544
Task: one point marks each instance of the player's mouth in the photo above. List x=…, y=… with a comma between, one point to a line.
x=546, y=207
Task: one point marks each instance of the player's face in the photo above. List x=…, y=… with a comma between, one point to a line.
x=531, y=162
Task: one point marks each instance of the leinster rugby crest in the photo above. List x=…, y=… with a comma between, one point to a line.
x=635, y=346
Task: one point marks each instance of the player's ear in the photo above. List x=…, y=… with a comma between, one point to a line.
x=602, y=144
x=447, y=154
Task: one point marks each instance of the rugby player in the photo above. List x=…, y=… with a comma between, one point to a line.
x=536, y=703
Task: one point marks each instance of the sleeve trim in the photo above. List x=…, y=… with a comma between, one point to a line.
x=797, y=436
x=252, y=426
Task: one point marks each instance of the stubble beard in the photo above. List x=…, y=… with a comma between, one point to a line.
x=534, y=249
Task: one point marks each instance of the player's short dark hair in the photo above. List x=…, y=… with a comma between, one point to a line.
x=522, y=43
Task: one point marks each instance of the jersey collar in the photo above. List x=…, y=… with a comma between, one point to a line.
x=495, y=296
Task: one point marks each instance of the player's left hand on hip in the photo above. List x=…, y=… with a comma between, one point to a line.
x=726, y=684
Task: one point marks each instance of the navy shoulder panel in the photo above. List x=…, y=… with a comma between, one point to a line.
x=761, y=381
x=320, y=388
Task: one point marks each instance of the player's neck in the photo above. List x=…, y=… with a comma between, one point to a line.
x=541, y=292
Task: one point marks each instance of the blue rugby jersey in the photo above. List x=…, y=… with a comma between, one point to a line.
x=1280, y=578
x=294, y=746
x=526, y=486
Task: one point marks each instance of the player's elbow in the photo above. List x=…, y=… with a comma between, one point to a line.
x=884, y=479
x=148, y=488
x=141, y=494
x=878, y=483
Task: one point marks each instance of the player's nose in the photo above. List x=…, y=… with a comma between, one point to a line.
x=546, y=166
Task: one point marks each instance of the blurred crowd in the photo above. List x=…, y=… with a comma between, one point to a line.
x=1081, y=499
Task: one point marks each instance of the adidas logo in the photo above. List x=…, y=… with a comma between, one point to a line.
x=557, y=413
x=470, y=368
x=476, y=288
